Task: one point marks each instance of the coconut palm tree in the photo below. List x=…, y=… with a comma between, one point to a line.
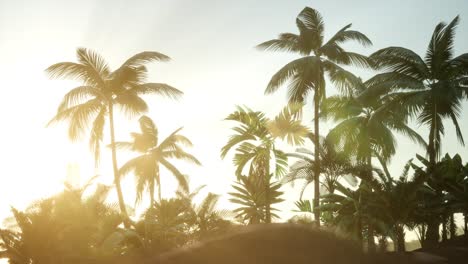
x=431, y=89
x=255, y=143
x=307, y=73
x=102, y=90
x=364, y=131
x=154, y=152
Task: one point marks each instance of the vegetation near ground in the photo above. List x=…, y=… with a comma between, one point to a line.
x=354, y=195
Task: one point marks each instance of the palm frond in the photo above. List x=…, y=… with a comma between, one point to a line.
x=160, y=89
x=145, y=57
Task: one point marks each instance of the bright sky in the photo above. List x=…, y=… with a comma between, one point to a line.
x=214, y=63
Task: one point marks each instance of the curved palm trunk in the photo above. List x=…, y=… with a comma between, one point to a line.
x=317, y=159
x=118, y=187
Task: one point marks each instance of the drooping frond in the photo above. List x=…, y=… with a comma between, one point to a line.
x=160, y=89
x=145, y=57
x=304, y=72
x=344, y=35
x=78, y=116
x=345, y=81
x=401, y=60
x=96, y=134
x=74, y=71
x=177, y=174
x=78, y=95
x=285, y=42
x=179, y=154
x=131, y=104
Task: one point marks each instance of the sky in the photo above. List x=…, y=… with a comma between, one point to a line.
x=214, y=63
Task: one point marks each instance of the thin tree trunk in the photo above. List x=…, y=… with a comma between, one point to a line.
x=158, y=182
x=317, y=159
x=444, y=227
x=370, y=228
x=400, y=245
x=452, y=226
x=151, y=191
x=465, y=219
x=422, y=238
x=431, y=149
x=118, y=188
x=383, y=244
x=432, y=233
x=266, y=179
x=370, y=238
x=359, y=232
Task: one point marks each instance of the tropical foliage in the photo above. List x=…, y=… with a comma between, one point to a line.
x=353, y=193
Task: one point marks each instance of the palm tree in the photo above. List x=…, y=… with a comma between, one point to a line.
x=250, y=195
x=348, y=208
x=395, y=201
x=364, y=130
x=165, y=225
x=255, y=143
x=334, y=166
x=431, y=88
x=307, y=73
x=101, y=91
x=206, y=220
x=443, y=194
x=153, y=154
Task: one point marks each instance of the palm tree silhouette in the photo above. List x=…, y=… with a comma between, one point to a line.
x=101, y=91
x=430, y=89
x=153, y=154
x=255, y=143
x=307, y=73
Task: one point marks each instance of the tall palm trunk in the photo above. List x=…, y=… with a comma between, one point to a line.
x=432, y=235
x=266, y=180
x=359, y=221
x=317, y=158
x=452, y=226
x=444, y=227
x=370, y=238
x=465, y=220
x=370, y=226
x=118, y=187
x=158, y=182
x=151, y=193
